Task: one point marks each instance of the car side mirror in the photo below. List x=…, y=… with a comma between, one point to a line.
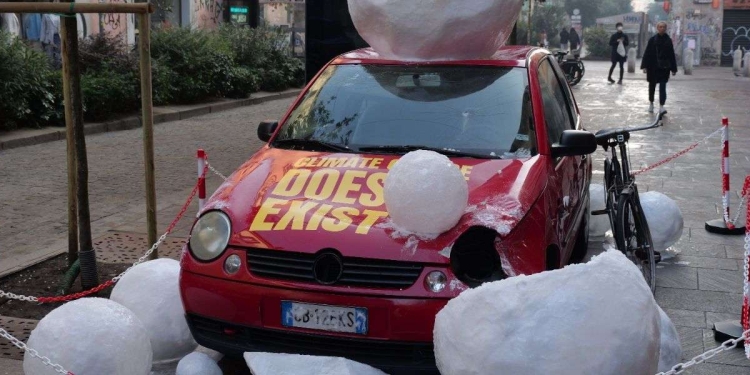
x=574, y=143
x=266, y=130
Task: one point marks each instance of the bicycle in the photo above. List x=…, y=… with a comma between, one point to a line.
x=573, y=69
x=623, y=205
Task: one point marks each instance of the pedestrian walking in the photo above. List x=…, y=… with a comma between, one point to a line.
x=619, y=43
x=658, y=61
x=564, y=38
x=575, y=40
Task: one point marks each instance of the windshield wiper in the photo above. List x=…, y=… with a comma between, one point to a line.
x=408, y=148
x=313, y=143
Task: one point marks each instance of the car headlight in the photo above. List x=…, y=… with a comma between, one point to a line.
x=210, y=236
x=474, y=259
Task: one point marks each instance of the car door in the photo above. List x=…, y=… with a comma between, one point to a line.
x=565, y=189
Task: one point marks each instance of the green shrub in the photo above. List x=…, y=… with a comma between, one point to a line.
x=107, y=92
x=597, y=42
x=104, y=52
x=27, y=82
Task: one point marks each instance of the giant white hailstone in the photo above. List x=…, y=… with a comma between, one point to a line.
x=292, y=364
x=197, y=364
x=90, y=336
x=584, y=319
x=670, y=351
x=664, y=219
x=435, y=29
x=598, y=224
x=152, y=292
x=425, y=193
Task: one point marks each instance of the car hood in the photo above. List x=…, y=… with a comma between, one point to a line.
x=271, y=205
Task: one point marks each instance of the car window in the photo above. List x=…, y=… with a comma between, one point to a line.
x=483, y=111
x=556, y=109
x=568, y=94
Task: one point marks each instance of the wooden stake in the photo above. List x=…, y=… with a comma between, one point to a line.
x=144, y=40
x=71, y=153
x=74, y=106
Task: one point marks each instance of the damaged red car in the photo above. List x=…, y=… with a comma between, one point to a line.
x=295, y=252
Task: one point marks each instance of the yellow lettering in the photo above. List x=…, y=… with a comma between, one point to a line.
x=331, y=176
x=466, y=171
x=370, y=219
x=301, y=162
x=390, y=164
x=334, y=162
x=351, y=163
x=296, y=176
x=364, y=162
x=347, y=185
x=318, y=216
x=376, y=163
x=332, y=225
x=312, y=162
x=269, y=207
x=295, y=215
x=375, y=183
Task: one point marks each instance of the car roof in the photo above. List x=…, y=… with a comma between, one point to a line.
x=508, y=56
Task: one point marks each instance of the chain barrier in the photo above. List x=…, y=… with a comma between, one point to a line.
x=211, y=167
x=678, y=154
x=21, y=345
x=724, y=347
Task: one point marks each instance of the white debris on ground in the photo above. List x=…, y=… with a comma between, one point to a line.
x=442, y=29
x=598, y=224
x=425, y=184
x=292, y=364
x=557, y=322
x=670, y=351
x=90, y=336
x=664, y=219
x=152, y=292
x=669, y=253
x=197, y=364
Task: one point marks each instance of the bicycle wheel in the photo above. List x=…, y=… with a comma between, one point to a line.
x=633, y=236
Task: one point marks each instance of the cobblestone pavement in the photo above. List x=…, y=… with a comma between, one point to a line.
x=703, y=284
x=700, y=286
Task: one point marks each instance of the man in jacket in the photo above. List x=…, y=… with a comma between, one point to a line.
x=619, y=55
x=658, y=61
x=564, y=38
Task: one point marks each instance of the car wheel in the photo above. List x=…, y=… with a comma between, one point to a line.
x=581, y=247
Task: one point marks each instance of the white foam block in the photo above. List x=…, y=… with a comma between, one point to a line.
x=664, y=219
x=90, y=336
x=197, y=363
x=584, y=319
x=435, y=29
x=670, y=350
x=425, y=193
x=292, y=364
x=598, y=224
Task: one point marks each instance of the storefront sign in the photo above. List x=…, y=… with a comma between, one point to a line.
x=238, y=10
x=737, y=4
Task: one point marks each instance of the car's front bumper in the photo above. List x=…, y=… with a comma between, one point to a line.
x=234, y=317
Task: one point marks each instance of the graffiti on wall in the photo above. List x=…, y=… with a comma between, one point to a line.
x=207, y=14
x=114, y=25
x=740, y=39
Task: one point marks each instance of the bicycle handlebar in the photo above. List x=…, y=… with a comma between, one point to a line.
x=606, y=134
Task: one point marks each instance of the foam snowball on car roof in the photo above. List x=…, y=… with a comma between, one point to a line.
x=425, y=193
x=90, y=336
x=151, y=290
x=585, y=319
x=664, y=219
x=293, y=364
x=435, y=29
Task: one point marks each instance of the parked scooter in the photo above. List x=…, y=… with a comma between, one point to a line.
x=573, y=68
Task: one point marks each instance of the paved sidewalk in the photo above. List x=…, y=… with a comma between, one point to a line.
x=700, y=286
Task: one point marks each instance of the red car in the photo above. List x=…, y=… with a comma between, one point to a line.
x=295, y=253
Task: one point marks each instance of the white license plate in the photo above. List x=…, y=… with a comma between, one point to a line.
x=324, y=318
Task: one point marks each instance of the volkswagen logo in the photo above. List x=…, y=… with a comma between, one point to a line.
x=328, y=268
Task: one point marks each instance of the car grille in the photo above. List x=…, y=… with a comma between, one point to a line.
x=378, y=353
x=361, y=272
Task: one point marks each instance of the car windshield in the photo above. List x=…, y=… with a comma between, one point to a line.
x=472, y=111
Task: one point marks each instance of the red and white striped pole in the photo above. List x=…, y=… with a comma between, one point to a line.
x=746, y=284
x=725, y=224
x=201, y=179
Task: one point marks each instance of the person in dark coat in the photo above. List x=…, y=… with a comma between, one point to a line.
x=575, y=40
x=658, y=61
x=614, y=42
x=564, y=38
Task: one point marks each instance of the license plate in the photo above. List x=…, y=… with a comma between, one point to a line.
x=324, y=318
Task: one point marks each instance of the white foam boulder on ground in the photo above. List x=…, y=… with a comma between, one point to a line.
x=292, y=364
x=90, y=336
x=664, y=219
x=435, y=29
x=152, y=292
x=598, y=224
x=670, y=350
x=584, y=319
x=425, y=193
x=197, y=363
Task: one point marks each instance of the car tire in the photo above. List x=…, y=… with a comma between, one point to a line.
x=581, y=247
